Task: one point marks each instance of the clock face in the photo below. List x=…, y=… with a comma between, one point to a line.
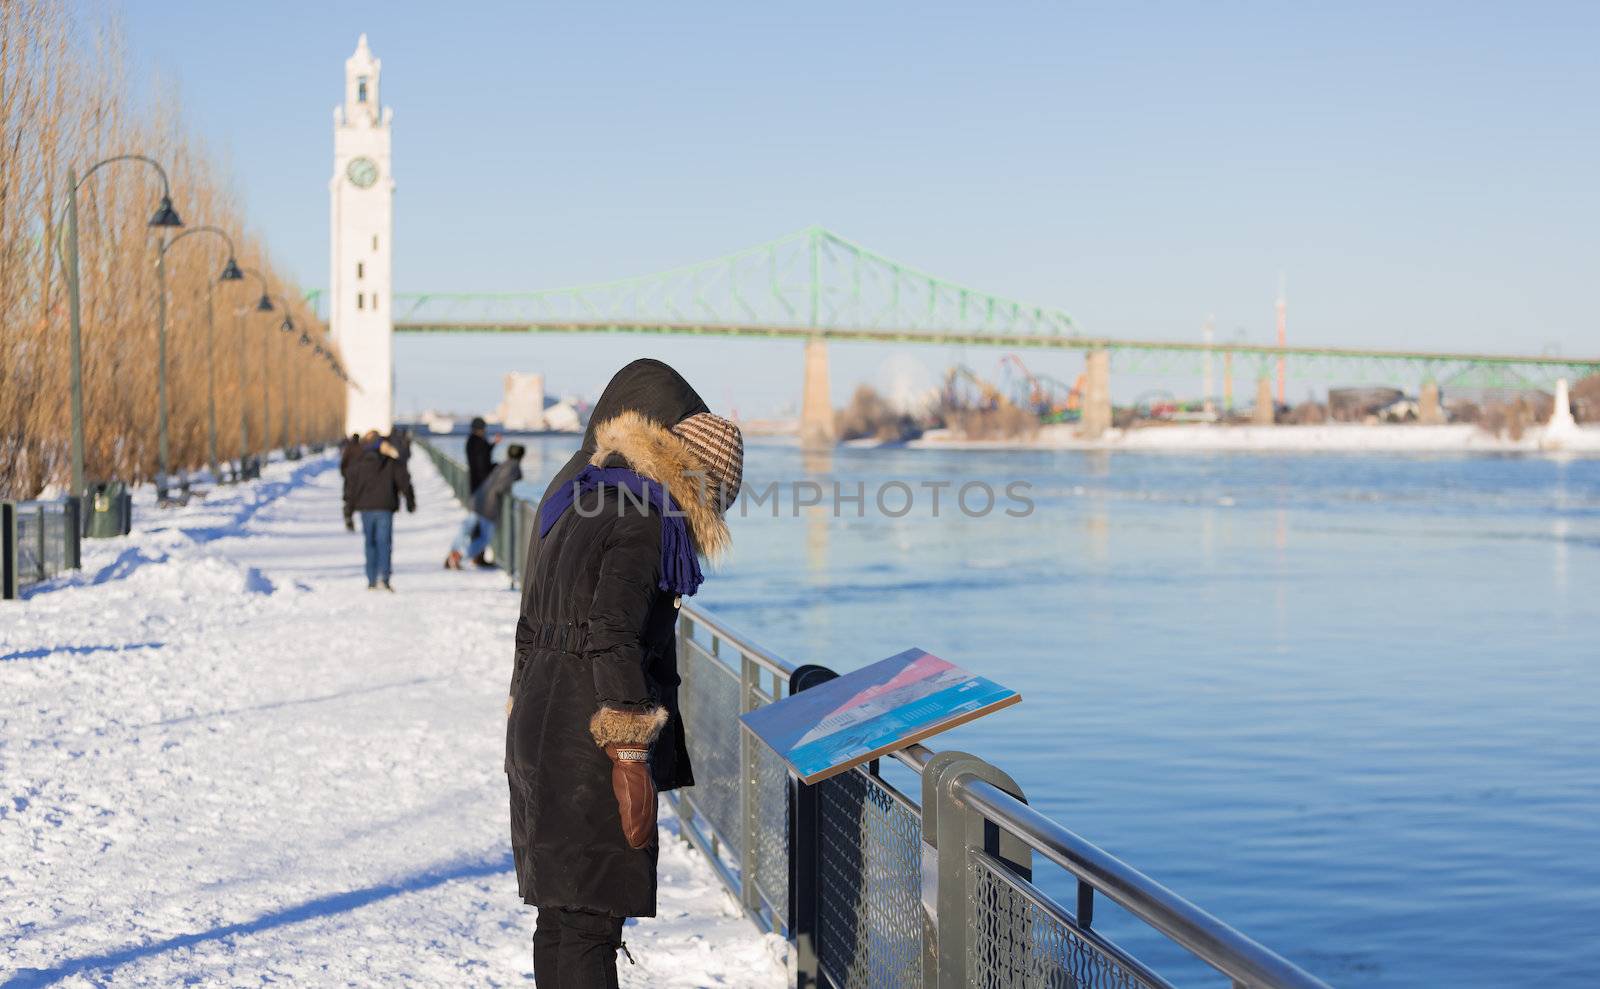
x=363, y=172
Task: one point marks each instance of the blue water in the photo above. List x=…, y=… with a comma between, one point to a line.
x=1349, y=704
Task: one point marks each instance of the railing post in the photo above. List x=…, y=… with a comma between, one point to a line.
x=42, y=561
x=72, y=509
x=954, y=830
x=519, y=542
x=506, y=534
x=9, y=584
x=806, y=968
x=685, y=672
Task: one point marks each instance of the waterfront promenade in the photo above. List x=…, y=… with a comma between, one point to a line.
x=227, y=762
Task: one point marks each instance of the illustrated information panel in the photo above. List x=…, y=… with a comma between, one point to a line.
x=860, y=716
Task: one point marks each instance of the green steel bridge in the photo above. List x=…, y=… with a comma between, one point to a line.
x=816, y=284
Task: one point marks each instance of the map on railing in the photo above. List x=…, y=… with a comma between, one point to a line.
x=878, y=709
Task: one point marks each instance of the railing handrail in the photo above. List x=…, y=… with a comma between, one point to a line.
x=727, y=633
x=1231, y=952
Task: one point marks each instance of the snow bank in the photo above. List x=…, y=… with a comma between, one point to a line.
x=226, y=762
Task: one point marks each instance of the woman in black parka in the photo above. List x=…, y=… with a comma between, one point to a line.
x=594, y=687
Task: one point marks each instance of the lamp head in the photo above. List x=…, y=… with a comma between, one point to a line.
x=165, y=215
x=231, y=272
x=263, y=304
x=287, y=325
x=305, y=339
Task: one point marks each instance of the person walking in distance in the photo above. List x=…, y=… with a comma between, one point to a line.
x=400, y=439
x=480, y=454
x=478, y=531
x=593, y=729
x=349, y=450
x=375, y=484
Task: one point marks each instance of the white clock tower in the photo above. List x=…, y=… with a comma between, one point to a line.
x=363, y=225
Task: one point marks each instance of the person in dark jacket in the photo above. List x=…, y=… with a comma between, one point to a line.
x=478, y=532
x=400, y=439
x=480, y=454
x=593, y=726
x=375, y=484
x=348, y=451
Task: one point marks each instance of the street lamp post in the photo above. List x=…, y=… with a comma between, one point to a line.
x=324, y=355
x=263, y=304
x=299, y=395
x=164, y=216
x=287, y=326
x=230, y=273
x=283, y=353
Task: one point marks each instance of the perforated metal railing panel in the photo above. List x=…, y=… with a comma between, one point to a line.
x=55, y=542
x=771, y=845
x=709, y=697
x=869, y=869
x=30, y=567
x=46, y=540
x=1018, y=939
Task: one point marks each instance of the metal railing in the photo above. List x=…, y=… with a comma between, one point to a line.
x=38, y=540
x=876, y=888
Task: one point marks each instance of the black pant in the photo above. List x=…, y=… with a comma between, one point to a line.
x=575, y=949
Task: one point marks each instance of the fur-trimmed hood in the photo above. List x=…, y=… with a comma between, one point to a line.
x=653, y=451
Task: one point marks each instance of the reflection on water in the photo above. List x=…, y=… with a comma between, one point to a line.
x=1349, y=704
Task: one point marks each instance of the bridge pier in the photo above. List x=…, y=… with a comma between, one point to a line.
x=1428, y=411
x=1266, y=411
x=1096, y=394
x=816, y=403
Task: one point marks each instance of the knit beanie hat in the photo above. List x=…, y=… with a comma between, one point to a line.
x=719, y=446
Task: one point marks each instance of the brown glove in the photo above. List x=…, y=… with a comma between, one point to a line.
x=635, y=792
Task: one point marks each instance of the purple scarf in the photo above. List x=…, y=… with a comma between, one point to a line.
x=680, y=568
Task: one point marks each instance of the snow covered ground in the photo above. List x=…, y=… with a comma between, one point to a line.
x=225, y=762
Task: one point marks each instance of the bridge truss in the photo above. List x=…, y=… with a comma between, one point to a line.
x=812, y=278
x=814, y=283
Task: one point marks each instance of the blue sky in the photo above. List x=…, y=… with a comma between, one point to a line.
x=1424, y=174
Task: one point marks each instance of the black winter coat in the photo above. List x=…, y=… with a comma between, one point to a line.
x=349, y=450
x=376, y=481
x=597, y=632
x=480, y=460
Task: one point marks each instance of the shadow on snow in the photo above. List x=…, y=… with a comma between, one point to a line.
x=44, y=651
x=322, y=906
x=265, y=494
